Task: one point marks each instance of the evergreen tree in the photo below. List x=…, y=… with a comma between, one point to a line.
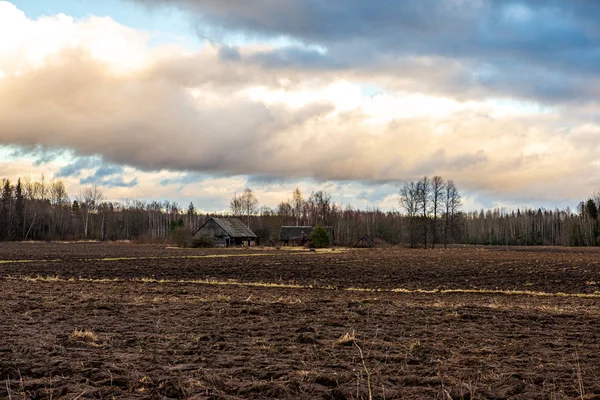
x=19, y=210
x=592, y=209
x=5, y=212
x=319, y=237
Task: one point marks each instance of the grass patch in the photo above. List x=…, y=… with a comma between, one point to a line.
x=84, y=335
x=26, y=261
x=594, y=295
x=347, y=339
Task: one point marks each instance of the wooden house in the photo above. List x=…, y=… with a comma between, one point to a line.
x=227, y=232
x=299, y=235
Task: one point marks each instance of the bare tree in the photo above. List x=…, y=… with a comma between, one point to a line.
x=409, y=202
x=59, y=199
x=58, y=194
x=297, y=205
x=322, y=206
x=437, y=200
x=33, y=193
x=249, y=203
x=423, y=201
x=89, y=198
x=453, y=203
x=236, y=205
x=284, y=211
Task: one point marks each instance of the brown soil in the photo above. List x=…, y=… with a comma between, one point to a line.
x=152, y=339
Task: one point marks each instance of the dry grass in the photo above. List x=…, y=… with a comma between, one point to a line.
x=347, y=339
x=26, y=261
x=84, y=335
x=233, y=282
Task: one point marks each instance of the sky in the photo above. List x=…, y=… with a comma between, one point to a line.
x=193, y=101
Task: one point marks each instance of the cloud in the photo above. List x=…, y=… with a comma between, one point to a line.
x=183, y=180
x=110, y=182
x=75, y=168
x=40, y=154
x=296, y=111
x=109, y=176
x=547, y=50
x=229, y=53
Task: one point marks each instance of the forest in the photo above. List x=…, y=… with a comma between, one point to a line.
x=430, y=214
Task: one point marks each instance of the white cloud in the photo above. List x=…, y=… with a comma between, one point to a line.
x=99, y=88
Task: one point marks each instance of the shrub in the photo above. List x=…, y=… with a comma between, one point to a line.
x=180, y=236
x=319, y=237
x=202, y=241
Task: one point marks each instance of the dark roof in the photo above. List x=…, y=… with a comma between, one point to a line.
x=300, y=232
x=295, y=232
x=233, y=227
x=365, y=241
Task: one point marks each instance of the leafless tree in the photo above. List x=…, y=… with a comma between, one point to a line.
x=235, y=205
x=33, y=194
x=453, y=202
x=59, y=199
x=249, y=203
x=89, y=198
x=297, y=205
x=437, y=200
x=423, y=201
x=322, y=207
x=285, y=212
x=409, y=202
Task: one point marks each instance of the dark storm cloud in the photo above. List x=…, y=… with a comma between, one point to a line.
x=549, y=50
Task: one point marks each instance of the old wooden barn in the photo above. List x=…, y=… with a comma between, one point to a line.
x=299, y=235
x=227, y=232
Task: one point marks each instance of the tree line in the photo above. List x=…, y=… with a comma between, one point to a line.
x=430, y=214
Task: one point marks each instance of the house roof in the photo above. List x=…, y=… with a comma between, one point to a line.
x=295, y=232
x=367, y=240
x=300, y=232
x=233, y=227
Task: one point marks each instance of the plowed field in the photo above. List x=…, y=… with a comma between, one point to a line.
x=95, y=321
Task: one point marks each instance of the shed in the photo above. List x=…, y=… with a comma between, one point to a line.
x=299, y=235
x=365, y=241
x=227, y=232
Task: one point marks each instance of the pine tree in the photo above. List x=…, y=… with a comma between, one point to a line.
x=319, y=237
x=5, y=212
x=19, y=210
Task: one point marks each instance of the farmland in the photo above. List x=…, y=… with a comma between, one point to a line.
x=90, y=320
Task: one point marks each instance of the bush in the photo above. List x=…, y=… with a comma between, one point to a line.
x=180, y=236
x=319, y=237
x=202, y=241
